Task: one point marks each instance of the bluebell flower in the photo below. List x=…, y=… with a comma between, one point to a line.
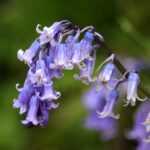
x=83, y=49
x=37, y=95
x=52, y=73
x=61, y=57
x=48, y=93
x=38, y=73
x=76, y=58
x=69, y=44
x=138, y=131
x=106, y=73
x=86, y=45
x=111, y=101
x=96, y=100
x=132, y=85
x=86, y=71
x=38, y=113
x=48, y=33
x=43, y=113
x=24, y=97
x=30, y=53
x=32, y=112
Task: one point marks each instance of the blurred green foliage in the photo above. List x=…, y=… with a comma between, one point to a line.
x=125, y=26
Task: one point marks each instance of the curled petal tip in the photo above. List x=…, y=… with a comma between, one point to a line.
x=17, y=87
x=38, y=30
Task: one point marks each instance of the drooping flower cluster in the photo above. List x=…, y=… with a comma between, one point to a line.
x=59, y=47
x=138, y=132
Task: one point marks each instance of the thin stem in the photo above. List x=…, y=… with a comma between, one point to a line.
x=119, y=65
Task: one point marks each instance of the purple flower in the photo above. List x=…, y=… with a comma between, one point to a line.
x=139, y=132
x=52, y=73
x=24, y=97
x=111, y=101
x=132, y=84
x=38, y=113
x=48, y=33
x=32, y=112
x=83, y=49
x=38, y=73
x=86, y=71
x=86, y=45
x=96, y=100
x=69, y=44
x=48, y=93
x=61, y=57
x=43, y=113
x=37, y=95
x=76, y=58
x=30, y=53
x=107, y=73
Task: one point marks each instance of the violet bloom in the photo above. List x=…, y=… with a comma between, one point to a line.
x=76, y=58
x=106, y=73
x=111, y=101
x=43, y=113
x=61, y=57
x=132, y=84
x=139, y=132
x=48, y=93
x=96, y=100
x=86, y=45
x=69, y=44
x=24, y=97
x=48, y=33
x=32, y=112
x=38, y=74
x=37, y=95
x=52, y=73
x=86, y=71
x=83, y=49
x=30, y=53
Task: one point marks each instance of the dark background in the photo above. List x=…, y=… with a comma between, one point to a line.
x=125, y=26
